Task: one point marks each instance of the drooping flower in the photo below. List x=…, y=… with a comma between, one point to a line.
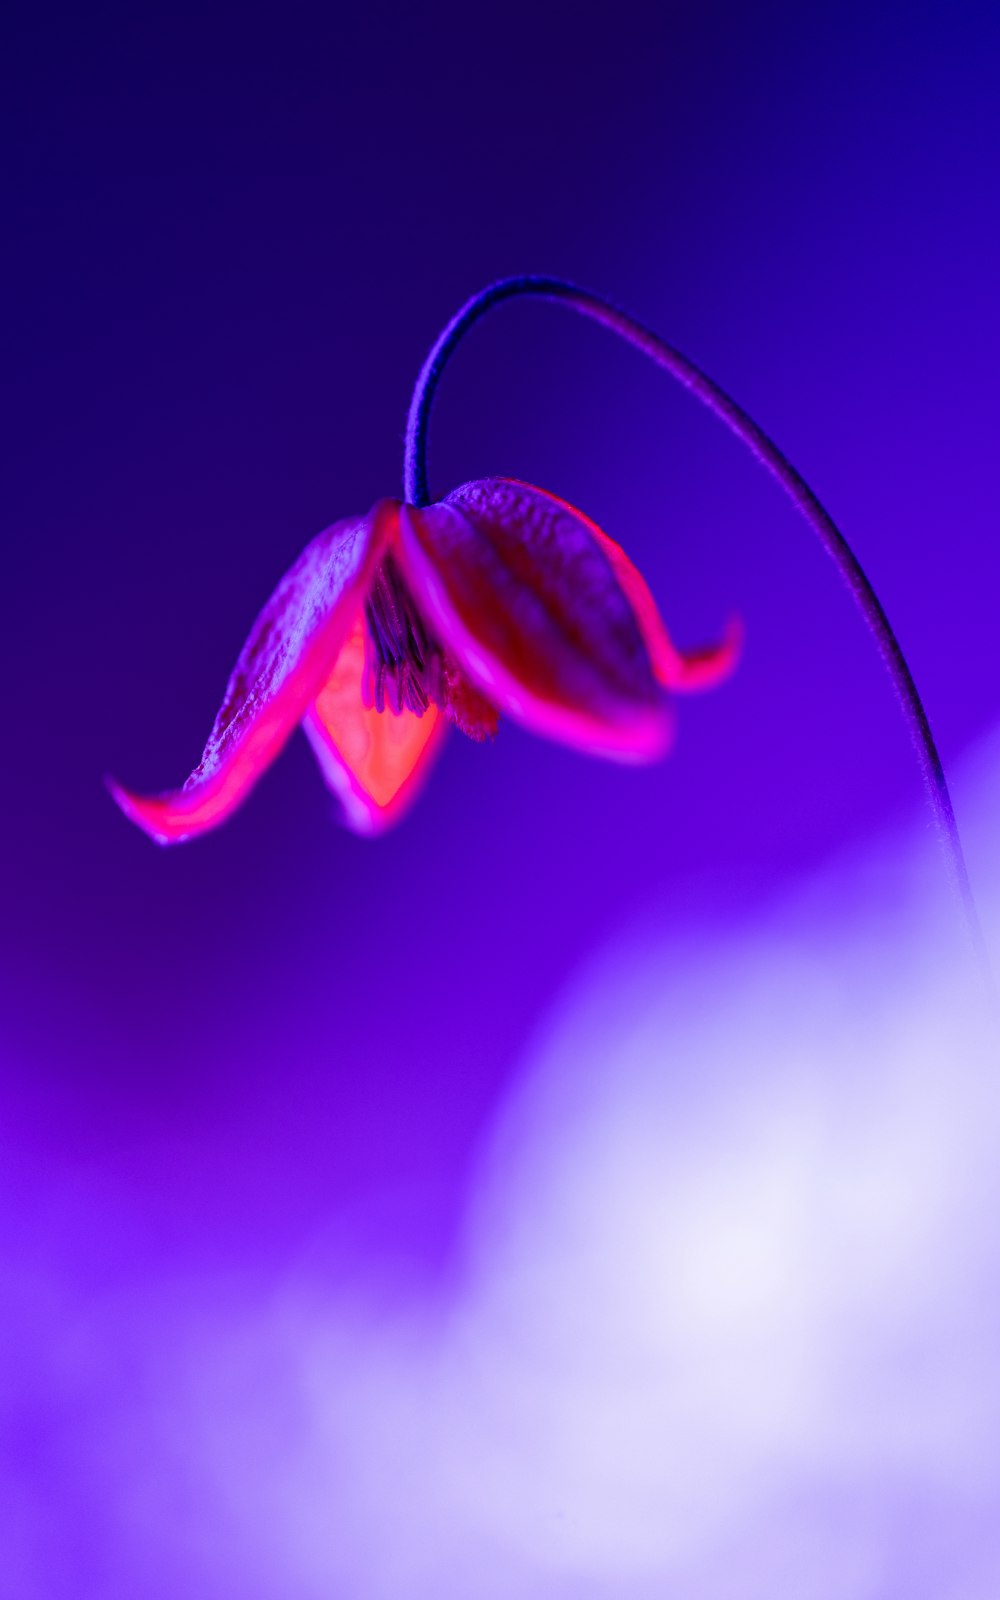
x=499, y=600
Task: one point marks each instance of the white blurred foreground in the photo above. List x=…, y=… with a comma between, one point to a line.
x=726, y=1324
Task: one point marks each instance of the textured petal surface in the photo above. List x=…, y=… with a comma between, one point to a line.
x=375, y=762
x=515, y=583
x=291, y=650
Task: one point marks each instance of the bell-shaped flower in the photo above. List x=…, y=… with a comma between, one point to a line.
x=500, y=599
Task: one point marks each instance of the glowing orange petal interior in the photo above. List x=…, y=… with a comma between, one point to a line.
x=373, y=760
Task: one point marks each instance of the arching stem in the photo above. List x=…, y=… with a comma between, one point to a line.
x=768, y=454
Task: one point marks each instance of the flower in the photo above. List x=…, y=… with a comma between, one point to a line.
x=499, y=599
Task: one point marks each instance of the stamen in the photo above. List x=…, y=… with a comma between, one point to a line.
x=407, y=670
x=400, y=659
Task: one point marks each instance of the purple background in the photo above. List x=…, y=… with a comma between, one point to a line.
x=230, y=244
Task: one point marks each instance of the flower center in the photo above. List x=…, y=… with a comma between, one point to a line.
x=402, y=664
x=405, y=667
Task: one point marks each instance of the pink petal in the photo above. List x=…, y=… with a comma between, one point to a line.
x=291, y=650
x=515, y=583
x=681, y=673
x=375, y=762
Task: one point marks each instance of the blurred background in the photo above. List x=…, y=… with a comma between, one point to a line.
x=273, y=1069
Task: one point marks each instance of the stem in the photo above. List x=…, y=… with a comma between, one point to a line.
x=770, y=457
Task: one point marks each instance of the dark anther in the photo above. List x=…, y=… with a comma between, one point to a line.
x=404, y=668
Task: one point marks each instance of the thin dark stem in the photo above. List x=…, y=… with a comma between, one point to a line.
x=768, y=454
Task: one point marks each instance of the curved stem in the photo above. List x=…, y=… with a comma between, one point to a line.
x=770, y=457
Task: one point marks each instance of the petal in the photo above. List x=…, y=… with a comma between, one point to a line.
x=375, y=762
x=283, y=665
x=677, y=671
x=514, y=582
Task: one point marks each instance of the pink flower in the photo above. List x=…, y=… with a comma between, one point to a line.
x=499, y=599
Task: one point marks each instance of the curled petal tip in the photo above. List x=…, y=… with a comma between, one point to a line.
x=145, y=811
x=204, y=802
x=703, y=669
x=291, y=650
